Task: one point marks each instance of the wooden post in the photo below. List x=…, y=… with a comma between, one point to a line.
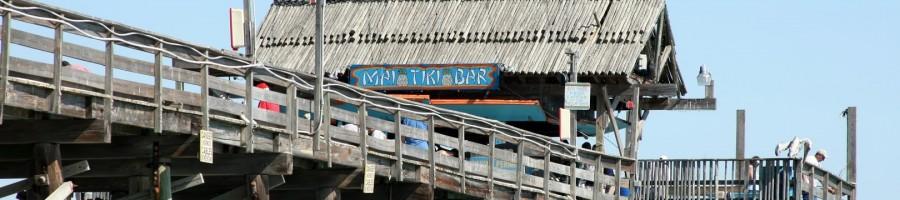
x=612, y=120
x=108, y=86
x=547, y=154
x=520, y=168
x=247, y=133
x=363, y=143
x=633, y=117
x=398, y=144
x=47, y=164
x=157, y=94
x=431, y=159
x=257, y=188
x=293, y=115
x=710, y=90
x=326, y=127
x=57, y=68
x=739, y=138
x=598, y=173
x=851, y=148
x=462, y=155
x=204, y=93
x=492, y=140
x=600, y=124
x=4, y=59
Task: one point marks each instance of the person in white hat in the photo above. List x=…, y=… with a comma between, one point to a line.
x=817, y=158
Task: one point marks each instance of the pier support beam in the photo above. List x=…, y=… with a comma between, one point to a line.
x=851, y=147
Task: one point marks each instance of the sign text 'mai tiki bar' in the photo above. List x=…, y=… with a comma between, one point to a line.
x=426, y=77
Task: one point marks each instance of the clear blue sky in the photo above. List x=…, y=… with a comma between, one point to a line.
x=794, y=65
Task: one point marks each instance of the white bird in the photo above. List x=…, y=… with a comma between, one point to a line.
x=793, y=147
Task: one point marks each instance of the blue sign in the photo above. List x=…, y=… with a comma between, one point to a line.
x=426, y=77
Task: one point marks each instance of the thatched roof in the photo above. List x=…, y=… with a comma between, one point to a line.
x=525, y=36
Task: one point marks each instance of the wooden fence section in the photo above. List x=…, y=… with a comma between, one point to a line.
x=511, y=162
x=770, y=178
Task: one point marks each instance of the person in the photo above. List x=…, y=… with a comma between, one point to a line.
x=376, y=133
x=418, y=143
x=265, y=105
x=793, y=147
x=817, y=158
x=75, y=67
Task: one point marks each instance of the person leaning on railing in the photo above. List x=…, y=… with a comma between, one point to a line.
x=815, y=161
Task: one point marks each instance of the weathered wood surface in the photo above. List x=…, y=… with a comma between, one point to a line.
x=60, y=131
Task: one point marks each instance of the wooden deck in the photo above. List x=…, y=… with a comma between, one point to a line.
x=117, y=124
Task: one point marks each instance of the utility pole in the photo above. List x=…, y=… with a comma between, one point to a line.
x=320, y=72
x=573, y=78
x=249, y=30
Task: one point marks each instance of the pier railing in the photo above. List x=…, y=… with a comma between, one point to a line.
x=190, y=89
x=770, y=178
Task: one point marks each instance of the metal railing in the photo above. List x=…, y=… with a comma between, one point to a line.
x=768, y=179
x=541, y=166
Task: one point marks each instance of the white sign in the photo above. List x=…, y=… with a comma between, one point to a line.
x=236, y=25
x=206, y=146
x=578, y=96
x=369, y=179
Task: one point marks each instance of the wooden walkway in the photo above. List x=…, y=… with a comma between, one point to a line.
x=119, y=126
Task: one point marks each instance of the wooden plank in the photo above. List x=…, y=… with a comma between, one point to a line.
x=678, y=104
x=62, y=131
x=62, y=192
x=226, y=165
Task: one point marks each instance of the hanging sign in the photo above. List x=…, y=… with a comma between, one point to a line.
x=426, y=76
x=206, y=147
x=369, y=179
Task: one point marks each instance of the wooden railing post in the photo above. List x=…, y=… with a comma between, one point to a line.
x=292, y=113
x=573, y=179
x=108, y=86
x=326, y=127
x=598, y=171
x=247, y=133
x=157, y=91
x=363, y=139
x=547, y=154
x=398, y=144
x=462, y=155
x=204, y=93
x=57, y=69
x=618, y=179
x=432, y=144
x=491, y=141
x=4, y=59
x=520, y=168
